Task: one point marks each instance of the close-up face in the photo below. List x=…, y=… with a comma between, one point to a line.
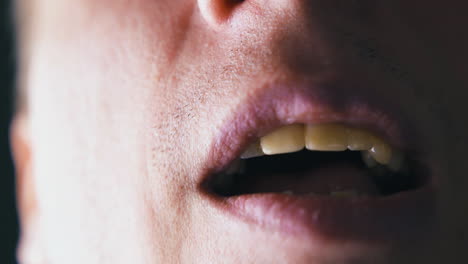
x=230, y=131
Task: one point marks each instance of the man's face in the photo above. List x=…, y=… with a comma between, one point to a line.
x=137, y=108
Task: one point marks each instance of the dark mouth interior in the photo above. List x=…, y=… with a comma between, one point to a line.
x=315, y=172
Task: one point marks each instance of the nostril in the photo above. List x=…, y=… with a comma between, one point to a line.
x=215, y=12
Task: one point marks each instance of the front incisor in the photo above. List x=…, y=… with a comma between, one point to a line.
x=284, y=140
x=326, y=137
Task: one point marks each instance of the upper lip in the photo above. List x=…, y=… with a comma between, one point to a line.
x=277, y=105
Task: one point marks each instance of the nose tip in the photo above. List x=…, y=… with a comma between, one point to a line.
x=216, y=12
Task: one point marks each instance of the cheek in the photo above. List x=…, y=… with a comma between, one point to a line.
x=88, y=155
x=93, y=87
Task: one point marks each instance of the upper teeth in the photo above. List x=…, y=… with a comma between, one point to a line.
x=284, y=140
x=326, y=137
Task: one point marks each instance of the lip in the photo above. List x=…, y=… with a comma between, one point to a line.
x=388, y=220
x=367, y=219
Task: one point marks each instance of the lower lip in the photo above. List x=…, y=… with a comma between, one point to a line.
x=402, y=216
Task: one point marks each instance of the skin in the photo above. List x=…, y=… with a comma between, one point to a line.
x=125, y=98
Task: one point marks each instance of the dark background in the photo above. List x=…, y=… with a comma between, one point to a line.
x=8, y=216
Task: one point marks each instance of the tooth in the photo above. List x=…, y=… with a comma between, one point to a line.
x=359, y=139
x=368, y=159
x=327, y=137
x=381, y=152
x=254, y=150
x=284, y=140
x=396, y=161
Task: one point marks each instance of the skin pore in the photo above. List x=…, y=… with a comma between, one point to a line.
x=125, y=100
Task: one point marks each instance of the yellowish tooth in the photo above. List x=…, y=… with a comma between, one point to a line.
x=326, y=137
x=359, y=139
x=396, y=161
x=381, y=152
x=254, y=150
x=368, y=159
x=284, y=140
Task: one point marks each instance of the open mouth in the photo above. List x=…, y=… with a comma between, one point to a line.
x=320, y=160
x=326, y=181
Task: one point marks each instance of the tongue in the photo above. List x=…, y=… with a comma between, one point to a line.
x=336, y=178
